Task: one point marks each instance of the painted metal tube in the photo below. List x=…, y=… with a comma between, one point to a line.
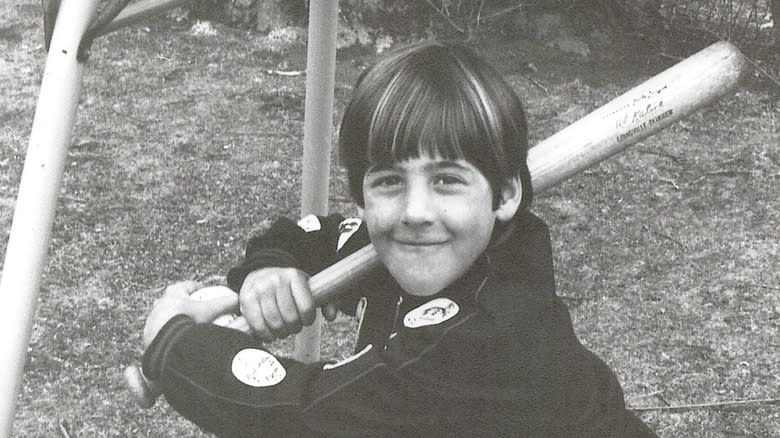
x=37, y=198
x=317, y=132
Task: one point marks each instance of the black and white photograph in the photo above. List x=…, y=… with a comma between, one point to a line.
x=390, y=218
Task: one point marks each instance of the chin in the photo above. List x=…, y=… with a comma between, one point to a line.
x=421, y=285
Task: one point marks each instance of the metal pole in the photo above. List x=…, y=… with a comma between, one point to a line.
x=318, y=120
x=37, y=198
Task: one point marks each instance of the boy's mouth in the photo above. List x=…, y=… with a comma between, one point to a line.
x=420, y=243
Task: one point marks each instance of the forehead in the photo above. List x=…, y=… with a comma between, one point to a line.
x=426, y=163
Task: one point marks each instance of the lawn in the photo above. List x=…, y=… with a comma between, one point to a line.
x=668, y=255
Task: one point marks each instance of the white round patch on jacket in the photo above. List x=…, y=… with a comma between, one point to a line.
x=347, y=228
x=310, y=223
x=433, y=312
x=257, y=368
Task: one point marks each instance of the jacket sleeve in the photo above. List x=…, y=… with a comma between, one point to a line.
x=221, y=380
x=438, y=380
x=229, y=385
x=309, y=245
x=225, y=382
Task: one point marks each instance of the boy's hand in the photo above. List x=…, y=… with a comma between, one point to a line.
x=277, y=302
x=176, y=300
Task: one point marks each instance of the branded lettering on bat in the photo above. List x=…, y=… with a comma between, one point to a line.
x=645, y=125
x=642, y=106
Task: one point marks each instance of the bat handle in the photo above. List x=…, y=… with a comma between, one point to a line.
x=143, y=390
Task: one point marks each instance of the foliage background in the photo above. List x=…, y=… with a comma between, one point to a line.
x=187, y=141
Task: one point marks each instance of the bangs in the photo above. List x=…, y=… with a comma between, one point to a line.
x=437, y=116
x=434, y=100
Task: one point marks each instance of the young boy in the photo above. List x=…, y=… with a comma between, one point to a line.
x=461, y=334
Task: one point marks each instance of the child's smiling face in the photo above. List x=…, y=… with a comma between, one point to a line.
x=430, y=219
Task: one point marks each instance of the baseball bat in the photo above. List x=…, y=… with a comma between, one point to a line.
x=649, y=107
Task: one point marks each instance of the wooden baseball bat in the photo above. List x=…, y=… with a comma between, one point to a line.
x=675, y=93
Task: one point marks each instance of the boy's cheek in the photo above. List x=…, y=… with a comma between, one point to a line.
x=377, y=215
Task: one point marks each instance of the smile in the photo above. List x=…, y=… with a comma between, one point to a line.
x=421, y=243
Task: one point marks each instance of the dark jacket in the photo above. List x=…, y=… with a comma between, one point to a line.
x=493, y=354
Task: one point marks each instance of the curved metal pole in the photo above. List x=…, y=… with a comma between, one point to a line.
x=37, y=197
x=318, y=120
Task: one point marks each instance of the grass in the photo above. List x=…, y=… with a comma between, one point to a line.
x=667, y=254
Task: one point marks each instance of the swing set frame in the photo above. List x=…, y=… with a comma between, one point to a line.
x=50, y=139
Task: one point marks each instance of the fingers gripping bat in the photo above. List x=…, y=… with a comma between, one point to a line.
x=647, y=108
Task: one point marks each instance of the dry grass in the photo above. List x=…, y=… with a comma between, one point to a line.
x=667, y=254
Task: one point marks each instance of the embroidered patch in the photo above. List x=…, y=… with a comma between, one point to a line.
x=360, y=309
x=431, y=313
x=257, y=368
x=310, y=223
x=347, y=228
x=211, y=292
x=360, y=312
x=330, y=366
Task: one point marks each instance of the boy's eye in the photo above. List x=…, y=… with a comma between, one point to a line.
x=447, y=180
x=387, y=181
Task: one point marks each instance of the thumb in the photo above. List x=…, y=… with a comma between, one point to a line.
x=329, y=311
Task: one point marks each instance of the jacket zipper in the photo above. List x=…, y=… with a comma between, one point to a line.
x=397, y=315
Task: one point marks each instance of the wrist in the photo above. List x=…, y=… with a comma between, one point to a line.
x=163, y=342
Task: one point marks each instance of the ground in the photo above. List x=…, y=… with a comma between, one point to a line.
x=187, y=142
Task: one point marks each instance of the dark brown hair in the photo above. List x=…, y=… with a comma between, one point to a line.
x=436, y=99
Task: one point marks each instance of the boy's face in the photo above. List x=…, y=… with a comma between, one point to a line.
x=429, y=220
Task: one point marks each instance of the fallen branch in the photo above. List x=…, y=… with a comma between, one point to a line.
x=65, y=429
x=670, y=238
x=501, y=12
x=672, y=57
x=670, y=182
x=665, y=236
x=533, y=81
x=762, y=286
x=762, y=71
x=723, y=404
x=670, y=156
x=72, y=199
x=446, y=17
x=285, y=72
x=726, y=173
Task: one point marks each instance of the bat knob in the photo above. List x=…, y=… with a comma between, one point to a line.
x=139, y=386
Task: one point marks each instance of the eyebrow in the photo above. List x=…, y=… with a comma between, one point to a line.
x=433, y=166
x=447, y=164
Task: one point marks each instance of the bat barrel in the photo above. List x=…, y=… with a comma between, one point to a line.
x=671, y=95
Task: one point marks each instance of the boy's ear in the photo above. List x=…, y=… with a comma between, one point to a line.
x=511, y=197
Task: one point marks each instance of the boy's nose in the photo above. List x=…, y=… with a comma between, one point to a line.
x=418, y=207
